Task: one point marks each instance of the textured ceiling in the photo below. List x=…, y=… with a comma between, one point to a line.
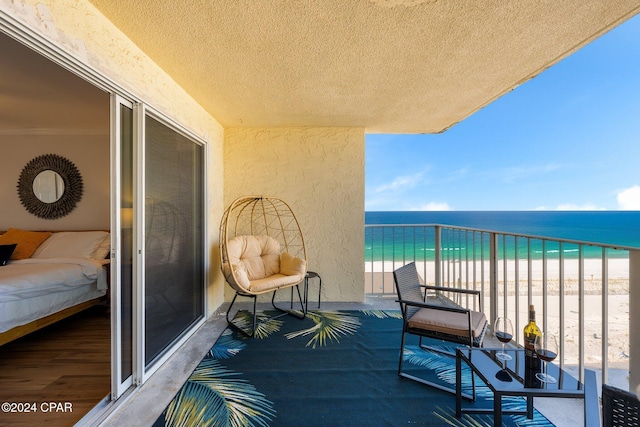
x=392, y=66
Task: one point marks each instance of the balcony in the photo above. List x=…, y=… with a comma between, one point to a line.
x=581, y=290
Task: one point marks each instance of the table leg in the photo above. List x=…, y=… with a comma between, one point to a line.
x=306, y=294
x=458, y=386
x=497, y=409
x=530, y=407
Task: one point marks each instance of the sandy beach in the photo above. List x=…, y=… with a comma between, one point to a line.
x=465, y=272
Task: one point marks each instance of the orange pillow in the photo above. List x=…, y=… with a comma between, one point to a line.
x=28, y=241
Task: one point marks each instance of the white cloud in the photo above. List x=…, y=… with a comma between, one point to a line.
x=406, y=181
x=433, y=206
x=629, y=199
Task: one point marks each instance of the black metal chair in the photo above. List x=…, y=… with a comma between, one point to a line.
x=619, y=407
x=427, y=312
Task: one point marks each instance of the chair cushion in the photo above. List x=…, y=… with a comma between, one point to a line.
x=448, y=322
x=240, y=274
x=256, y=265
x=274, y=282
x=259, y=256
x=292, y=266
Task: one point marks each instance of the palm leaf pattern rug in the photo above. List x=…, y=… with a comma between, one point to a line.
x=334, y=368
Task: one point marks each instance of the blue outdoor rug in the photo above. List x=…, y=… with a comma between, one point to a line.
x=334, y=368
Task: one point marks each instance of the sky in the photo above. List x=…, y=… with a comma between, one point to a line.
x=569, y=139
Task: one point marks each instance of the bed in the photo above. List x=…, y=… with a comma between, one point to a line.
x=48, y=277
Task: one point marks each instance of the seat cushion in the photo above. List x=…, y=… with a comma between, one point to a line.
x=448, y=322
x=274, y=282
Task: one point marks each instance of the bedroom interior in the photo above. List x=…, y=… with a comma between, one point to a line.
x=47, y=111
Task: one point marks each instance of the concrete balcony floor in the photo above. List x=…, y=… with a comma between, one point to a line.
x=143, y=406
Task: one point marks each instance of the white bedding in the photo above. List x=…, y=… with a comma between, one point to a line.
x=33, y=288
x=32, y=277
x=23, y=311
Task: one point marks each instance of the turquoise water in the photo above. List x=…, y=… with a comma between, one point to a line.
x=620, y=228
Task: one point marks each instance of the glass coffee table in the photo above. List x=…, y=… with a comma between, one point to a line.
x=508, y=381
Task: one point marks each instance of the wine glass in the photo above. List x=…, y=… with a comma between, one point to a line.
x=547, y=350
x=503, y=330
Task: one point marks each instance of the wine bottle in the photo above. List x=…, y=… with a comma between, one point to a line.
x=532, y=364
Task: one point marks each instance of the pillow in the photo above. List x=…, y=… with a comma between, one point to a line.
x=291, y=265
x=103, y=249
x=71, y=244
x=5, y=253
x=27, y=241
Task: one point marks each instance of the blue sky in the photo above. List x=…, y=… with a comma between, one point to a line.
x=568, y=139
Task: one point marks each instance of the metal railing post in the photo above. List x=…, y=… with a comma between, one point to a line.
x=438, y=265
x=605, y=316
x=581, y=313
x=493, y=277
x=634, y=320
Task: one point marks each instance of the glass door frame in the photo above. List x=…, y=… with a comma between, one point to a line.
x=141, y=112
x=118, y=385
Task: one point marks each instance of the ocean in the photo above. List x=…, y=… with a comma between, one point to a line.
x=620, y=228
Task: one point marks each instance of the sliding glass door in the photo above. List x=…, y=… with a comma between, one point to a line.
x=158, y=262
x=173, y=237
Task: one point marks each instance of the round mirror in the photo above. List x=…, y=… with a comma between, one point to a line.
x=48, y=186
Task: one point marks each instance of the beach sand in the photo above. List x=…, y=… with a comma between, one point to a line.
x=379, y=275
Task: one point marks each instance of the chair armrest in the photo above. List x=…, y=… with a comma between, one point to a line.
x=434, y=306
x=459, y=290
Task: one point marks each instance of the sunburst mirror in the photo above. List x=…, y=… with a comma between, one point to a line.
x=50, y=186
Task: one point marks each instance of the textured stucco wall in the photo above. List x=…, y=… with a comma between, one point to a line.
x=77, y=28
x=319, y=172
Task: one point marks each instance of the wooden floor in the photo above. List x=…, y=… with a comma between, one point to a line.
x=58, y=373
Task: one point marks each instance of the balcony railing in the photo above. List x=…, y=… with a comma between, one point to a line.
x=582, y=291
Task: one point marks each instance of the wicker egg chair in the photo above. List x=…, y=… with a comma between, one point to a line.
x=261, y=250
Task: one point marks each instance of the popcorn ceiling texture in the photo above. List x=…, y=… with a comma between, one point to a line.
x=390, y=66
x=319, y=172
